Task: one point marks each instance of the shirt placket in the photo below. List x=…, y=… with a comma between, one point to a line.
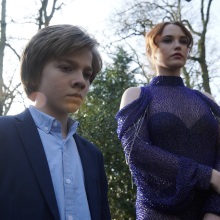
x=68, y=184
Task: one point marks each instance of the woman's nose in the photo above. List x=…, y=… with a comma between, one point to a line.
x=177, y=45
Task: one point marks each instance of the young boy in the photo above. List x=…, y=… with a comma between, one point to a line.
x=47, y=171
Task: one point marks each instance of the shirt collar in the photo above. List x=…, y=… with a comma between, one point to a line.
x=45, y=122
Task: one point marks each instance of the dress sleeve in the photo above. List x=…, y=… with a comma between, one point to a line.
x=213, y=201
x=168, y=181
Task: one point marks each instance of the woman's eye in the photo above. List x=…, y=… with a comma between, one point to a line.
x=184, y=41
x=167, y=40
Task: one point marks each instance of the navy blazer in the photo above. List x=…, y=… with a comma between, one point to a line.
x=26, y=189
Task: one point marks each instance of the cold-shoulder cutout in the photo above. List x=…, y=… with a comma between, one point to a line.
x=209, y=96
x=130, y=95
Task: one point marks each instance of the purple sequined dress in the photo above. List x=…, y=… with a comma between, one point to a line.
x=170, y=139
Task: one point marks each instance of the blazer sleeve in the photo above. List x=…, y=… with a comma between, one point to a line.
x=95, y=178
x=105, y=211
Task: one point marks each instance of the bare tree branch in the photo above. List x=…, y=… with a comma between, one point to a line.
x=2, y=48
x=10, y=92
x=15, y=52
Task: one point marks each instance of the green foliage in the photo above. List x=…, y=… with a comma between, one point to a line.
x=98, y=124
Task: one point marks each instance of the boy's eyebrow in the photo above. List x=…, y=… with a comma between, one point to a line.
x=73, y=62
x=182, y=36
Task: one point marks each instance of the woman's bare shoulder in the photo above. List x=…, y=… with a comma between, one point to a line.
x=208, y=95
x=130, y=95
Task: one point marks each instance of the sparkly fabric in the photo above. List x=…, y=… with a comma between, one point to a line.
x=170, y=139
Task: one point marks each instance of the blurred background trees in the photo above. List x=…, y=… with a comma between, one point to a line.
x=9, y=87
x=138, y=17
x=97, y=124
x=125, y=65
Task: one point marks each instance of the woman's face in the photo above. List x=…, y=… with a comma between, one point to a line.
x=172, y=50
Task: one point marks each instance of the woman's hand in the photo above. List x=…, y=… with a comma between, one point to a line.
x=215, y=181
x=210, y=216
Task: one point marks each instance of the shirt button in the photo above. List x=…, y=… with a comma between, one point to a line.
x=54, y=123
x=46, y=128
x=70, y=217
x=68, y=181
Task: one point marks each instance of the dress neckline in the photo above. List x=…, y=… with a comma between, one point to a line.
x=167, y=81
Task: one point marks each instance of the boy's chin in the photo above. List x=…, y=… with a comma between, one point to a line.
x=73, y=109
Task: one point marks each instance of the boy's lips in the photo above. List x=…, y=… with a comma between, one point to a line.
x=75, y=95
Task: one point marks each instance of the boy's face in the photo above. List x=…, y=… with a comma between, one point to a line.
x=64, y=84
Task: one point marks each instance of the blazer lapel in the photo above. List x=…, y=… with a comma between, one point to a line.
x=37, y=158
x=89, y=174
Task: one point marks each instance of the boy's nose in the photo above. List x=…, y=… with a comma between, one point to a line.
x=79, y=81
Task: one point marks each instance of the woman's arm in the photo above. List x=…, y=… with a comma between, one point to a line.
x=172, y=178
x=213, y=202
x=210, y=216
x=129, y=96
x=215, y=181
x=133, y=93
x=215, y=178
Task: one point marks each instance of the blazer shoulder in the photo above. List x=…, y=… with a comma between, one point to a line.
x=7, y=122
x=13, y=118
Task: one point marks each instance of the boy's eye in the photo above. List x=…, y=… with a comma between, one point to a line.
x=65, y=69
x=87, y=75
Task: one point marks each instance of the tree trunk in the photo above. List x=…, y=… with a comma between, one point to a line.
x=7, y=95
x=2, y=48
x=202, y=48
x=203, y=64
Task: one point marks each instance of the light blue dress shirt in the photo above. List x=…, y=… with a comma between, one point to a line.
x=65, y=166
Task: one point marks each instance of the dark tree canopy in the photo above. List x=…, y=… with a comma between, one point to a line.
x=98, y=124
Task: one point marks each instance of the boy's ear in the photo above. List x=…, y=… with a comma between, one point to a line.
x=32, y=96
x=38, y=98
